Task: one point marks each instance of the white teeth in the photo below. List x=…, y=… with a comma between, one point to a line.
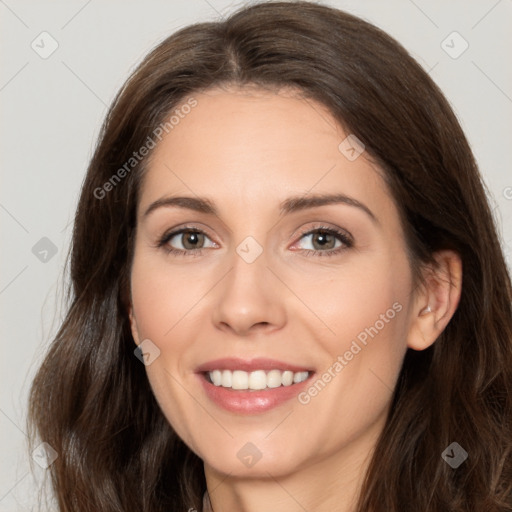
x=216, y=377
x=258, y=379
x=240, y=380
x=273, y=379
x=287, y=378
x=299, y=377
x=226, y=378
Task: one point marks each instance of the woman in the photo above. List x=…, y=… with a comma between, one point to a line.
x=260, y=373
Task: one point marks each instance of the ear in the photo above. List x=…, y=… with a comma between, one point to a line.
x=437, y=301
x=133, y=325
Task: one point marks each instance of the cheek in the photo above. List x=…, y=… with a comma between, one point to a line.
x=161, y=300
x=161, y=296
x=166, y=304
x=365, y=310
x=363, y=302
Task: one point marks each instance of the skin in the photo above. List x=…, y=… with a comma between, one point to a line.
x=247, y=150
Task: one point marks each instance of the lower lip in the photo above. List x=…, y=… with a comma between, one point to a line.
x=251, y=402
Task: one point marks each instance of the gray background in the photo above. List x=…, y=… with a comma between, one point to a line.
x=51, y=114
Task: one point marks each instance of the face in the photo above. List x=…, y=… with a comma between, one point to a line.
x=259, y=289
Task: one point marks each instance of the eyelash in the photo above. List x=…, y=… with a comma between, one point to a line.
x=344, y=238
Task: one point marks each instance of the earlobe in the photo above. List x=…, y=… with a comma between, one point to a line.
x=438, y=301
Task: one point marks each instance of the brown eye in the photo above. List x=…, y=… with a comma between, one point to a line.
x=192, y=239
x=185, y=241
x=326, y=242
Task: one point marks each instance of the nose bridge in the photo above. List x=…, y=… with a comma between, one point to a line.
x=248, y=278
x=249, y=294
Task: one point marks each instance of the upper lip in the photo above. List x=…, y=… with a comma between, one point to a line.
x=259, y=363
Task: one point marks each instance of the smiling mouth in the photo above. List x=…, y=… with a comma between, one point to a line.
x=258, y=380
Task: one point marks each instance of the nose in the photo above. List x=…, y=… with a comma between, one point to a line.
x=249, y=298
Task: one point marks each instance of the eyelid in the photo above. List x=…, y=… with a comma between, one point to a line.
x=171, y=233
x=330, y=229
x=343, y=235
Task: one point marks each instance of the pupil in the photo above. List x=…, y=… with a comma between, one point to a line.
x=194, y=237
x=323, y=238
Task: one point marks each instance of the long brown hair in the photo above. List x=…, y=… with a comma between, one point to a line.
x=91, y=400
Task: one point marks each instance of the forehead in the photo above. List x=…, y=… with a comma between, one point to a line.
x=250, y=148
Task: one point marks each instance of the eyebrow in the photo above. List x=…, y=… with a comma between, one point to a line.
x=290, y=205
